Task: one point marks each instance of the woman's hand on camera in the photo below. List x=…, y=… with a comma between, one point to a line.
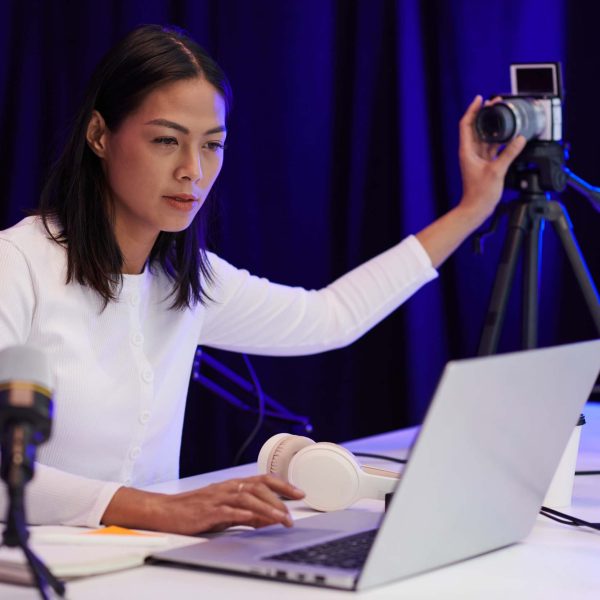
x=253, y=501
x=483, y=166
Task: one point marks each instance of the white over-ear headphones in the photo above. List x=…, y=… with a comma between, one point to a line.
x=327, y=473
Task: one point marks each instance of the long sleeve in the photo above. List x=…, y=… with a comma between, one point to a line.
x=251, y=314
x=53, y=496
x=17, y=300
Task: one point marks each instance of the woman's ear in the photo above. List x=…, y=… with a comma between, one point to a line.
x=96, y=134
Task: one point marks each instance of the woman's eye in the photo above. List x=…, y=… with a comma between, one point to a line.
x=167, y=141
x=215, y=146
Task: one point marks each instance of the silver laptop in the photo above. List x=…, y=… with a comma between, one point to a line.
x=475, y=480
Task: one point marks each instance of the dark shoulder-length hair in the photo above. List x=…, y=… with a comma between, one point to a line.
x=76, y=197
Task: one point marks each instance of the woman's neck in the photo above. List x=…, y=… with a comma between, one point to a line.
x=135, y=250
x=133, y=267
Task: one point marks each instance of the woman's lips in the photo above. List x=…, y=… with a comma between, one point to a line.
x=183, y=202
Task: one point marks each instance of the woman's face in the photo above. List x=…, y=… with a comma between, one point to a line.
x=163, y=159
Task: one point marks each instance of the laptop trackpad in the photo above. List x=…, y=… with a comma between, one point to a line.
x=312, y=530
x=277, y=539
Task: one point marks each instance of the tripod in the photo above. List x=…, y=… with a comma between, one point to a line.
x=538, y=170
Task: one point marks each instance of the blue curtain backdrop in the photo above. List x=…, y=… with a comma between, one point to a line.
x=342, y=140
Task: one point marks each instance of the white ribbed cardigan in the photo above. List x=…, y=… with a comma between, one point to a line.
x=121, y=375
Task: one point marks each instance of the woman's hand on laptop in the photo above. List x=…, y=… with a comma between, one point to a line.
x=253, y=501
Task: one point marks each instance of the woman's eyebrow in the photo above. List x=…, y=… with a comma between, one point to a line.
x=185, y=130
x=219, y=129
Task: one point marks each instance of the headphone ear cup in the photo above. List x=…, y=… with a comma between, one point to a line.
x=277, y=452
x=328, y=474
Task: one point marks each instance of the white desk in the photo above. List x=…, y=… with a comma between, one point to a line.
x=554, y=561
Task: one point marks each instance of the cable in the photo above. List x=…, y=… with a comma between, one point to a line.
x=261, y=411
x=390, y=458
x=587, y=472
x=565, y=519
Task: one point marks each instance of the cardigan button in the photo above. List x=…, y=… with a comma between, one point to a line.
x=148, y=375
x=137, y=339
x=134, y=299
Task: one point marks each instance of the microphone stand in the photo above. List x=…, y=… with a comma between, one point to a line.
x=537, y=171
x=16, y=451
x=273, y=410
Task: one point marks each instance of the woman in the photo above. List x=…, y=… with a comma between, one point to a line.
x=113, y=282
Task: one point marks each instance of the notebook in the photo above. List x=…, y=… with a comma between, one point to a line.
x=474, y=482
x=72, y=552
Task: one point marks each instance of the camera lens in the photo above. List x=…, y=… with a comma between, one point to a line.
x=503, y=121
x=496, y=123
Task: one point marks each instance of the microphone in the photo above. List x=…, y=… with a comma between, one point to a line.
x=25, y=422
x=327, y=473
x=25, y=411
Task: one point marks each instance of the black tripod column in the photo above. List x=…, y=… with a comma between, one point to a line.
x=532, y=270
x=517, y=228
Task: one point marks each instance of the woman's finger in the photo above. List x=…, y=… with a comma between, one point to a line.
x=224, y=516
x=468, y=119
x=493, y=100
x=262, y=491
x=491, y=151
x=510, y=152
x=470, y=143
x=281, y=487
x=277, y=485
x=262, y=503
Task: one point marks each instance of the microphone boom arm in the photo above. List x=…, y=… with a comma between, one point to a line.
x=273, y=409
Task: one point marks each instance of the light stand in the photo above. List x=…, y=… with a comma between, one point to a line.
x=537, y=171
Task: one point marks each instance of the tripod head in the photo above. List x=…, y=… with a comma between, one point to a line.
x=540, y=165
x=541, y=168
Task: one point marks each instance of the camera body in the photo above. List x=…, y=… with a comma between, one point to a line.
x=532, y=109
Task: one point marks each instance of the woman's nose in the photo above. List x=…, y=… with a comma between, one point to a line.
x=190, y=168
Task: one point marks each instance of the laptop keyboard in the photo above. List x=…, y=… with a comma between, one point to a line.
x=349, y=552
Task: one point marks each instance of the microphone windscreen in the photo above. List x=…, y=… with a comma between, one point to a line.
x=25, y=363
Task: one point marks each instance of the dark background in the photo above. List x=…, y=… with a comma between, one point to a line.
x=342, y=140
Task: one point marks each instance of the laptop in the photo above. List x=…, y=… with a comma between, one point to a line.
x=474, y=482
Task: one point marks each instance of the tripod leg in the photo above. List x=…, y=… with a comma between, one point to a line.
x=42, y=575
x=531, y=279
x=504, y=277
x=562, y=225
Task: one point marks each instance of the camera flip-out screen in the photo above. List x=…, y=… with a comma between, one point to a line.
x=535, y=79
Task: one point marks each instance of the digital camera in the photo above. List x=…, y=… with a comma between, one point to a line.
x=533, y=109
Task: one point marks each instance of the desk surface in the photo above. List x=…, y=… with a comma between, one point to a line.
x=554, y=561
